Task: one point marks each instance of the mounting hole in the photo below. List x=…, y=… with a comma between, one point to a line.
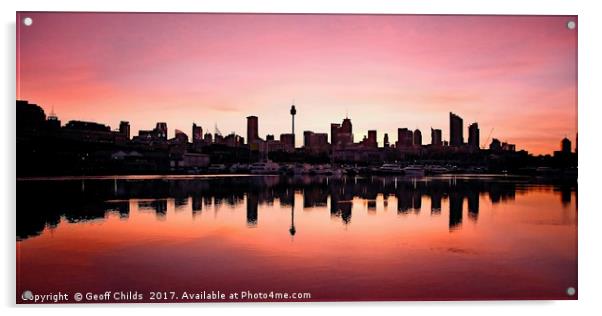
x=571, y=25
x=571, y=291
x=27, y=21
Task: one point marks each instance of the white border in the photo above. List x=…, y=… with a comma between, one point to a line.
x=590, y=101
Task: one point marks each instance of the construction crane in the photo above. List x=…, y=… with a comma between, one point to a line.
x=488, y=138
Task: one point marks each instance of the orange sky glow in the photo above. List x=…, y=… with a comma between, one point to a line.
x=515, y=75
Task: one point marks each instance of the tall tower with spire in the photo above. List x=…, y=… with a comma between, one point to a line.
x=293, y=113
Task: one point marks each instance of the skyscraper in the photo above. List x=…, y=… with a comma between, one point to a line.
x=372, y=139
x=288, y=141
x=334, y=128
x=197, y=133
x=124, y=129
x=405, y=138
x=208, y=138
x=252, y=129
x=473, y=136
x=315, y=142
x=341, y=135
x=565, y=146
x=417, y=138
x=495, y=145
x=386, y=141
x=436, y=139
x=456, y=130
x=180, y=137
x=161, y=130
x=346, y=127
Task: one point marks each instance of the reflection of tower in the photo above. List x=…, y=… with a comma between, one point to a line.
x=124, y=209
x=293, y=113
x=436, y=203
x=404, y=200
x=473, y=204
x=416, y=201
x=455, y=210
x=345, y=208
x=197, y=204
x=160, y=207
x=252, y=203
x=565, y=195
x=292, y=230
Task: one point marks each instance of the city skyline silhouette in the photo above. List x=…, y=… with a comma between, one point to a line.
x=389, y=70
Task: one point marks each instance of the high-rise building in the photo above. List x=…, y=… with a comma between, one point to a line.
x=252, y=129
x=386, y=141
x=180, y=137
x=315, y=142
x=417, y=138
x=288, y=142
x=473, y=136
x=436, y=137
x=346, y=127
x=208, y=138
x=218, y=138
x=87, y=126
x=233, y=140
x=53, y=122
x=405, y=138
x=508, y=147
x=334, y=128
x=197, y=133
x=161, y=130
x=29, y=115
x=371, y=141
x=124, y=129
x=307, y=138
x=565, y=146
x=341, y=135
x=156, y=135
x=495, y=145
x=456, y=130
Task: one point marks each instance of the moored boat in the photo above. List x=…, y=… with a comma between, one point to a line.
x=265, y=167
x=415, y=171
x=390, y=168
x=216, y=168
x=436, y=170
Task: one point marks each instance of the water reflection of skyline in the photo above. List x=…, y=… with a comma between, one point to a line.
x=86, y=200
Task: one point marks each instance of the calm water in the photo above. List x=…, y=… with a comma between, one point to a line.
x=371, y=238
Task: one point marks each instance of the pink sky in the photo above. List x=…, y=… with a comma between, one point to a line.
x=515, y=74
